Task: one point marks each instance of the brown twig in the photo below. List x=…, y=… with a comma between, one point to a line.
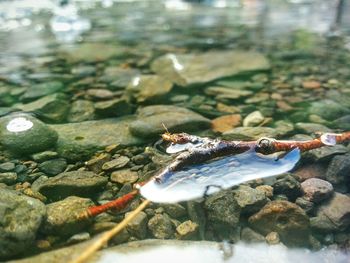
x=216, y=148
x=207, y=150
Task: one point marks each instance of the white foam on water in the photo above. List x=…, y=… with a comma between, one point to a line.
x=241, y=253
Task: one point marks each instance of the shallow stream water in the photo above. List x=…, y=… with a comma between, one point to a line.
x=88, y=87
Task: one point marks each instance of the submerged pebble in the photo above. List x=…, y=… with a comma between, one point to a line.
x=187, y=230
x=80, y=183
x=63, y=216
x=150, y=120
x=285, y=218
x=20, y=219
x=161, y=226
x=53, y=167
x=337, y=209
x=8, y=178
x=189, y=69
x=24, y=134
x=316, y=190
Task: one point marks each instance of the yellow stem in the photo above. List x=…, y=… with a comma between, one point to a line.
x=105, y=237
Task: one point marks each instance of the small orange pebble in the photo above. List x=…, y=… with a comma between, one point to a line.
x=311, y=84
x=226, y=122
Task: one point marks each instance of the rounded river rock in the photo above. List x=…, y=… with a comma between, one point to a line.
x=20, y=218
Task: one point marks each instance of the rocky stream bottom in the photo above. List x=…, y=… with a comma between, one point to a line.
x=307, y=208
x=85, y=138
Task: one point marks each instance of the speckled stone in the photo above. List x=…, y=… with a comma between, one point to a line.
x=316, y=190
x=161, y=226
x=20, y=218
x=337, y=209
x=187, y=230
x=80, y=183
x=285, y=218
x=63, y=216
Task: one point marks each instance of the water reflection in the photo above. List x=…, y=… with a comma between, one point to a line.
x=177, y=65
x=67, y=25
x=19, y=124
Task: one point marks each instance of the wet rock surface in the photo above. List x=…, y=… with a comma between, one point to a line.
x=119, y=77
x=337, y=210
x=81, y=140
x=250, y=200
x=226, y=123
x=41, y=90
x=80, y=183
x=92, y=52
x=161, y=226
x=20, y=219
x=113, y=108
x=311, y=171
x=124, y=176
x=338, y=170
x=148, y=88
x=8, y=178
x=316, y=190
x=201, y=68
x=53, y=167
x=24, y=134
x=285, y=218
x=151, y=119
x=325, y=153
x=53, y=108
x=328, y=109
x=63, y=216
x=287, y=185
x=116, y=163
x=223, y=213
x=249, y=235
x=187, y=230
x=250, y=133
x=81, y=110
x=138, y=226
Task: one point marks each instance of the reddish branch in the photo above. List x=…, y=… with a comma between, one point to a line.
x=117, y=204
x=209, y=149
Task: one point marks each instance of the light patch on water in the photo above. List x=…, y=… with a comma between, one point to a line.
x=67, y=25
x=177, y=65
x=175, y=148
x=19, y=124
x=177, y=5
x=206, y=253
x=136, y=81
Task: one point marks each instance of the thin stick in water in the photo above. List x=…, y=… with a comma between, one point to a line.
x=105, y=237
